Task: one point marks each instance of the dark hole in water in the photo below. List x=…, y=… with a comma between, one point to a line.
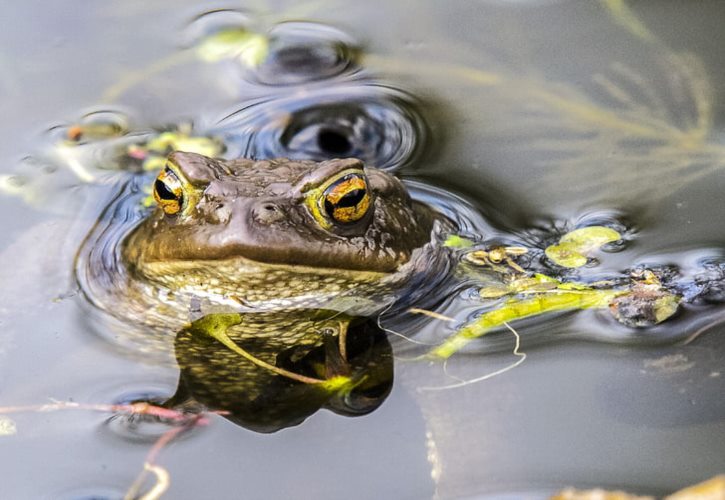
x=333, y=142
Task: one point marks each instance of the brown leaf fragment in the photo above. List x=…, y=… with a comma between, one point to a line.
x=644, y=306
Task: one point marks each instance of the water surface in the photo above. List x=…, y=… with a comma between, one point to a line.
x=534, y=111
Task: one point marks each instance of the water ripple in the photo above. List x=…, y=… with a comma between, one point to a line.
x=140, y=428
x=376, y=123
x=304, y=52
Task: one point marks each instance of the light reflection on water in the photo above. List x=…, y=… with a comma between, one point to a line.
x=567, y=400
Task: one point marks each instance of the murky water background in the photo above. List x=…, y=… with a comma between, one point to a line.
x=534, y=111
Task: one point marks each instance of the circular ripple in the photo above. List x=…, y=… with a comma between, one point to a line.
x=140, y=428
x=378, y=124
x=97, y=124
x=297, y=52
x=214, y=21
x=97, y=141
x=303, y=52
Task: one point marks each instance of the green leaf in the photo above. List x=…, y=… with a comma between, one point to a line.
x=156, y=148
x=250, y=48
x=455, y=241
x=665, y=307
x=574, y=247
x=178, y=141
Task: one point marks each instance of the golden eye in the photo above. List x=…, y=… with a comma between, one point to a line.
x=168, y=192
x=347, y=199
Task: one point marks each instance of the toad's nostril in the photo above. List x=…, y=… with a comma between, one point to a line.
x=268, y=213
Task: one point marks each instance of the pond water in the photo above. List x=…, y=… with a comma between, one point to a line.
x=540, y=114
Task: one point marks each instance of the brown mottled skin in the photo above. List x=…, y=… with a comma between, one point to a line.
x=255, y=210
x=249, y=235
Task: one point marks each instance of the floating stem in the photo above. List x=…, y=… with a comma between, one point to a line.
x=555, y=300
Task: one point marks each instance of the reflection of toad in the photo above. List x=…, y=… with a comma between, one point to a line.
x=267, y=400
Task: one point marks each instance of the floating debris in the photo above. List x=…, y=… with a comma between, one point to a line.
x=7, y=426
x=249, y=48
x=574, y=248
x=98, y=125
x=495, y=256
x=153, y=152
x=538, y=283
x=647, y=303
x=456, y=241
x=559, y=299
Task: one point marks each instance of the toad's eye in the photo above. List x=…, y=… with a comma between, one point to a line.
x=168, y=192
x=347, y=199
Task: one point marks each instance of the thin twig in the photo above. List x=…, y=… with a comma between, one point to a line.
x=432, y=314
x=462, y=383
x=702, y=330
x=134, y=408
x=162, y=476
x=396, y=333
x=163, y=481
